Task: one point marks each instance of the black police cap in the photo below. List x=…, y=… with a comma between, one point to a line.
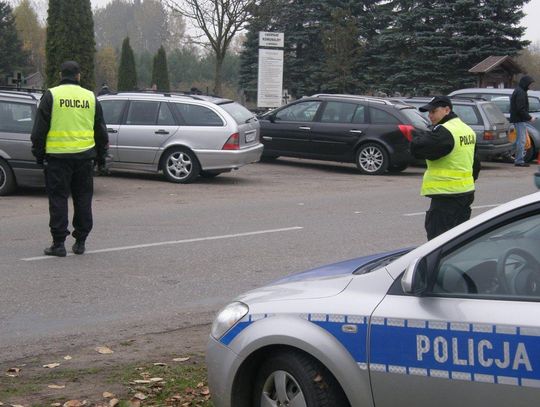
x=437, y=101
x=70, y=69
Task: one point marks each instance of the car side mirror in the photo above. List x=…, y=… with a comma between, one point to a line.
x=414, y=280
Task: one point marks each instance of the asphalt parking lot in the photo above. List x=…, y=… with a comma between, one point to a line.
x=163, y=256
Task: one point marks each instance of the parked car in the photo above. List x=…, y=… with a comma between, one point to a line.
x=181, y=135
x=17, y=164
x=485, y=118
x=371, y=132
x=501, y=97
x=453, y=322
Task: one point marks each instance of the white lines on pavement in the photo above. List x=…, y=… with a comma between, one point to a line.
x=174, y=242
x=472, y=207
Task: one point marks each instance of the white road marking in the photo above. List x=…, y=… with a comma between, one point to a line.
x=174, y=242
x=472, y=207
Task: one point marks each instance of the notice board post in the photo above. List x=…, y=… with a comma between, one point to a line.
x=270, y=78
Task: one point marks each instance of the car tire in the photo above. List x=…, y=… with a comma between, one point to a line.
x=372, y=159
x=209, y=174
x=7, y=178
x=397, y=168
x=307, y=382
x=180, y=166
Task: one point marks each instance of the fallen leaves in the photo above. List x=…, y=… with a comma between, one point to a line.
x=181, y=359
x=51, y=365
x=13, y=372
x=104, y=350
x=56, y=386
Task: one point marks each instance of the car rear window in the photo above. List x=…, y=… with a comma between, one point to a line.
x=195, y=115
x=468, y=114
x=415, y=117
x=16, y=117
x=493, y=113
x=239, y=113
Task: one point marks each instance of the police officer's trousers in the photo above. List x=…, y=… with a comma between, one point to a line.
x=445, y=212
x=62, y=177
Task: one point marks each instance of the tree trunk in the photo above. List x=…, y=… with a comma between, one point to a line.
x=217, y=79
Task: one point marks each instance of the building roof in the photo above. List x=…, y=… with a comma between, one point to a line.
x=492, y=62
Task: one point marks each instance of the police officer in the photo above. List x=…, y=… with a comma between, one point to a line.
x=452, y=166
x=68, y=134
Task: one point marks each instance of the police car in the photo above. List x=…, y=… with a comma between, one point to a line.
x=454, y=322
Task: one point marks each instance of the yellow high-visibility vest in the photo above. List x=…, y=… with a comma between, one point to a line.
x=452, y=174
x=72, y=120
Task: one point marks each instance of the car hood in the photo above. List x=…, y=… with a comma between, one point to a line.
x=321, y=282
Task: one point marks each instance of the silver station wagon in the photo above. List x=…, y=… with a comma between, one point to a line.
x=454, y=322
x=183, y=136
x=17, y=164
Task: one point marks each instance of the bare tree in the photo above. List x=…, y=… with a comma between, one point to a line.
x=219, y=20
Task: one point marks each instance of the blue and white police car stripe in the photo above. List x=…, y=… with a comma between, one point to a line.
x=485, y=353
x=460, y=351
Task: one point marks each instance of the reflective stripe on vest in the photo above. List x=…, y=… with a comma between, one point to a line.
x=72, y=120
x=452, y=174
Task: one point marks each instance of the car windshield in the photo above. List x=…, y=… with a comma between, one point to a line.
x=416, y=118
x=239, y=113
x=493, y=113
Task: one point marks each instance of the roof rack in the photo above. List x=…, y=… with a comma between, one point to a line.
x=357, y=97
x=22, y=93
x=198, y=95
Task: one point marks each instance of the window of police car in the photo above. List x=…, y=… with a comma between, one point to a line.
x=503, y=263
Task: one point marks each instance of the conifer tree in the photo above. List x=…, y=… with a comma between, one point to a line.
x=12, y=57
x=127, y=74
x=70, y=36
x=160, y=72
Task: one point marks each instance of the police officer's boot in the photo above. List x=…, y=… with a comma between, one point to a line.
x=57, y=249
x=78, y=247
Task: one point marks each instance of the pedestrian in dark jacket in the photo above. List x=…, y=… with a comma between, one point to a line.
x=68, y=134
x=452, y=166
x=519, y=116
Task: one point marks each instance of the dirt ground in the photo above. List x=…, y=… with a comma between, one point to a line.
x=92, y=376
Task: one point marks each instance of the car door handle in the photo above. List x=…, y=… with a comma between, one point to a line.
x=304, y=128
x=112, y=131
x=161, y=132
x=356, y=131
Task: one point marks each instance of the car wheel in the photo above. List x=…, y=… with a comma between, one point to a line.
x=7, y=179
x=292, y=378
x=180, y=166
x=372, y=159
x=397, y=168
x=209, y=174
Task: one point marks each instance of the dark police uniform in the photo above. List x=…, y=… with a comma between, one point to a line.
x=69, y=134
x=452, y=167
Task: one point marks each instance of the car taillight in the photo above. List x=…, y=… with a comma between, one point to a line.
x=233, y=143
x=489, y=135
x=406, y=130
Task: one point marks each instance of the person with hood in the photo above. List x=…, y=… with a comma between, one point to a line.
x=519, y=116
x=452, y=166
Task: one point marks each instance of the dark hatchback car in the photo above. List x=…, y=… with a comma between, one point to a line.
x=372, y=133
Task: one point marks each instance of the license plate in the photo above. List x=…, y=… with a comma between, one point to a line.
x=251, y=136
